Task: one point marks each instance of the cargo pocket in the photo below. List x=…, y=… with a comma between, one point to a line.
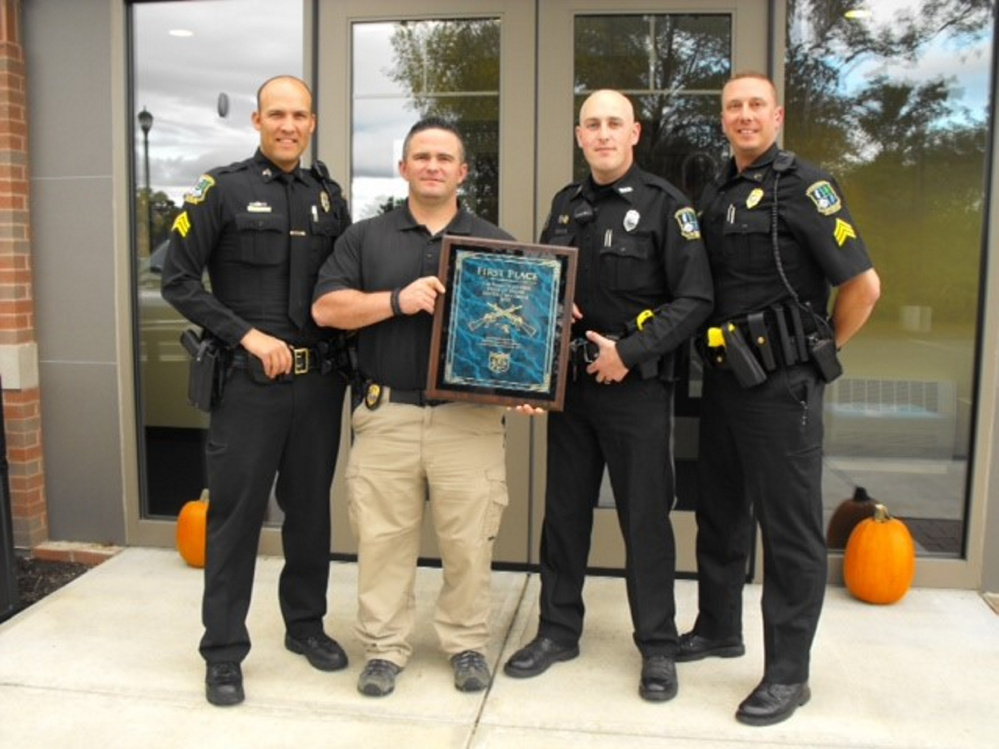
x=498, y=500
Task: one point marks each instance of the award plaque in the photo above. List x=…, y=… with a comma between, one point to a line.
x=501, y=330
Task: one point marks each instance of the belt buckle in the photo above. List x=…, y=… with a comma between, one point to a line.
x=301, y=357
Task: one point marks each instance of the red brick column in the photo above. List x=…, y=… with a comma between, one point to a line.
x=18, y=347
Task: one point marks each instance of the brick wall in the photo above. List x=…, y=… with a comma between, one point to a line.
x=18, y=350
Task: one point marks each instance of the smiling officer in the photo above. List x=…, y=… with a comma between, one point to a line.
x=262, y=228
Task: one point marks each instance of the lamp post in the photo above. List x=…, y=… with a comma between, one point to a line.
x=146, y=123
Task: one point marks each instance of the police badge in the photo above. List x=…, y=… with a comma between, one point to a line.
x=372, y=395
x=631, y=219
x=324, y=200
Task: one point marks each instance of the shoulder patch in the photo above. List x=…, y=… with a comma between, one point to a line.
x=826, y=200
x=687, y=219
x=200, y=190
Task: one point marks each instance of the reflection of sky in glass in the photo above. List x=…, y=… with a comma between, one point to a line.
x=383, y=113
x=964, y=63
x=235, y=46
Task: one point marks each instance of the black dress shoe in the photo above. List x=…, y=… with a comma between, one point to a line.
x=535, y=657
x=693, y=647
x=658, y=682
x=224, y=683
x=321, y=650
x=772, y=703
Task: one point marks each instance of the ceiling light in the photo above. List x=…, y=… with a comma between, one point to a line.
x=181, y=32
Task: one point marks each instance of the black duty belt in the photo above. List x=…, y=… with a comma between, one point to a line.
x=305, y=359
x=777, y=336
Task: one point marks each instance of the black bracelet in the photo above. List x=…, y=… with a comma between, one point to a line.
x=394, y=301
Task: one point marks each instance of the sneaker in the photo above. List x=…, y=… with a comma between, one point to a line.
x=378, y=678
x=471, y=672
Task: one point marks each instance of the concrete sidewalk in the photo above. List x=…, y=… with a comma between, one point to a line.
x=110, y=661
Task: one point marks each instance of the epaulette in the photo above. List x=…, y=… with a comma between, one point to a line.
x=784, y=161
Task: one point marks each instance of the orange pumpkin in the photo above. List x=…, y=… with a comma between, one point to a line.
x=191, y=525
x=880, y=560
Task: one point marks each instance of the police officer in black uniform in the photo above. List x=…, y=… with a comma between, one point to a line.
x=778, y=235
x=643, y=287
x=262, y=228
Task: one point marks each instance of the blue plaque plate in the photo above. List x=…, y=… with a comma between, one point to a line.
x=499, y=329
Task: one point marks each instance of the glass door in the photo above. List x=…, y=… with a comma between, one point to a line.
x=672, y=62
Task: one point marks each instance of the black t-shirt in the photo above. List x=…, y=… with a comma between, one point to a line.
x=390, y=252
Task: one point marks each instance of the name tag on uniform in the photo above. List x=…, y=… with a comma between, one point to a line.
x=258, y=208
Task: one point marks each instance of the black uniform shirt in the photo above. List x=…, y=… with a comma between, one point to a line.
x=390, y=252
x=819, y=243
x=639, y=249
x=262, y=234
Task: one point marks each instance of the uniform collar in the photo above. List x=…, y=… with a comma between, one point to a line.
x=758, y=170
x=626, y=186
x=269, y=171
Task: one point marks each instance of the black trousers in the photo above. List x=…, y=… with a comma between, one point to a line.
x=761, y=450
x=292, y=431
x=628, y=427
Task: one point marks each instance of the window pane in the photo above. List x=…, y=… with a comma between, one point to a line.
x=673, y=67
x=196, y=77
x=406, y=71
x=895, y=103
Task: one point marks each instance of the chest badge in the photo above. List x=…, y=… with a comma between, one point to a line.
x=258, y=207
x=631, y=219
x=324, y=200
x=754, y=198
x=563, y=219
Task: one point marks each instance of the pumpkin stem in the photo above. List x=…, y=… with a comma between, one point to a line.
x=860, y=495
x=204, y=495
x=881, y=514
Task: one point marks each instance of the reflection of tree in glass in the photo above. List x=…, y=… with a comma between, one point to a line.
x=672, y=66
x=909, y=155
x=451, y=70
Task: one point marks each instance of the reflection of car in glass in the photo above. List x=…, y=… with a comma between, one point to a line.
x=164, y=361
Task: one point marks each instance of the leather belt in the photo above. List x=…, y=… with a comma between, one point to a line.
x=410, y=397
x=305, y=359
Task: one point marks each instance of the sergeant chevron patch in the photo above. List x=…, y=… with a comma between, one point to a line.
x=843, y=232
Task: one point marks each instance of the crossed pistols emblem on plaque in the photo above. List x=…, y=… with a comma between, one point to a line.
x=505, y=318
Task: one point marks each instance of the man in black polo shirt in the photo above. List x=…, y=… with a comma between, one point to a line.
x=381, y=281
